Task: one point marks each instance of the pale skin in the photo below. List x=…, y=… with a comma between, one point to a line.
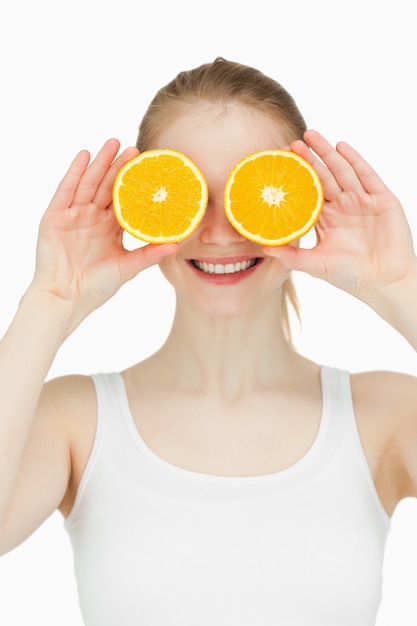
x=207, y=401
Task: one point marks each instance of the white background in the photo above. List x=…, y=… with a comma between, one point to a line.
x=75, y=73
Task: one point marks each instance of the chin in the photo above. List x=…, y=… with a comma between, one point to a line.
x=228, y=308
x=226, y=296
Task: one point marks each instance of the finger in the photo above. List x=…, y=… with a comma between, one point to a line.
x=369, y=179
x=96, y=172
x=331, y=188
x=341, y=169
x=65, y=192
x=104, y=192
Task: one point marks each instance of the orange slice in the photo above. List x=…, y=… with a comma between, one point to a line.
x=273, y=197
x=159, y=196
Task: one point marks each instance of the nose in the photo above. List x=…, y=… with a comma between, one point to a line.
x=216, y=229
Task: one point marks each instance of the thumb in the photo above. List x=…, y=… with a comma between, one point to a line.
x=298, y=259
x=135, y=261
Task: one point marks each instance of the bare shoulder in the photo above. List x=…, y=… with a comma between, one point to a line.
x=386, y=411
x=56, y=452
x=390, y=394
x=67, y=407
x=70, y=402
x=66, y=394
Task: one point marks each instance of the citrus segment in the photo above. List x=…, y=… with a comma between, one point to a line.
x=273, y=197
x=159, y=196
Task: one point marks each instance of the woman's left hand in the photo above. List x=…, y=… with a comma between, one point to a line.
x=364, y=244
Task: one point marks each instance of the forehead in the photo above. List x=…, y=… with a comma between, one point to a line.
x=225, y=133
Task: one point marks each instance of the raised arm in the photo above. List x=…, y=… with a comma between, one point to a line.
x=80, y=264
x=364, y=244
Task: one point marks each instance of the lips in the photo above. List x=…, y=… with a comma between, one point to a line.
x=208, y=267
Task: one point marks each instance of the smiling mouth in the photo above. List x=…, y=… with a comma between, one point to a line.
x=224, y=268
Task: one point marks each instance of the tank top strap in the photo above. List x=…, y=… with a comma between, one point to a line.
x=109, y=428
x=109, y=393
x=342, y=428
x=338, y=412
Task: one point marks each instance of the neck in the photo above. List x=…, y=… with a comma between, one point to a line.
x=228, y=355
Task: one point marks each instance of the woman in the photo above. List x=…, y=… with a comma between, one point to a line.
x=226, y=479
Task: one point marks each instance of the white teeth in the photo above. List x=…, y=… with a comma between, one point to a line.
x=220, y=268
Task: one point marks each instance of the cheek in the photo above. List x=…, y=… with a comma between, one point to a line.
x=166, y=267
x=276, y=273
x=172, y=269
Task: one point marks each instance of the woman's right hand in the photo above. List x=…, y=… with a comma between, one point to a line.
x=80, y=258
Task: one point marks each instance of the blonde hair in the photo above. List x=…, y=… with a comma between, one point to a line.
x=223, y=82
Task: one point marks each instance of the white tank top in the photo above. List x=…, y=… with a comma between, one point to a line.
x=158, y=545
